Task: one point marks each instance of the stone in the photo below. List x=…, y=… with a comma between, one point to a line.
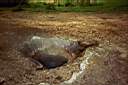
x=2, y=80
x=50, y=61
x=53, y=52
x=46, y=52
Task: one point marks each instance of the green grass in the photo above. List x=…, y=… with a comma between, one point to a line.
x=100, y=7
x=109, y=7
x=39, y=7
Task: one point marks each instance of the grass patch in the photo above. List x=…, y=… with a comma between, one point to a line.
x=70, y=8
x=94, y=8
x=45, y=7
x=39, y=7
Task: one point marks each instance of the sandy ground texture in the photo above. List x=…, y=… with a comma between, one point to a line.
x=108, y=64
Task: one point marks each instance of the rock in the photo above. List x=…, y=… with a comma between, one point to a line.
x=54, y=52
x=44, y=84
x=77, y=48
x=2, y=80
x=46, y=52
x=50, y=61
x=52, y=46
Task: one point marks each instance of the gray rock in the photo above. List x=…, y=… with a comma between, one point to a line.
x=49, y=52
x=54, y=52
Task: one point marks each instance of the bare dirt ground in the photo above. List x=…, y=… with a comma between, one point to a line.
x=107, y=67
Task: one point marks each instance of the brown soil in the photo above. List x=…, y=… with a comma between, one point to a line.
x=110, y=30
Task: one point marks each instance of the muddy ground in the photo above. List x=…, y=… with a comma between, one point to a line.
x=108, y=66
